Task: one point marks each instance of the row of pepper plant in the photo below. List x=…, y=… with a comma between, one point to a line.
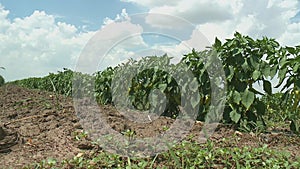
x=149, y=83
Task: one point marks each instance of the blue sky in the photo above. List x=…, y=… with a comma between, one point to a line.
x=75, y=12
x=42, y=36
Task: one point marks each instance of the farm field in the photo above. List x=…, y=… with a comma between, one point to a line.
x=258, y=128
x=44, y=133
x=141, y=84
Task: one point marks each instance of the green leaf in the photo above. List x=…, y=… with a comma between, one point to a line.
x=194, y=85
x=245, y=66
x=236, y=97
x=256, y=74
x=248, y=98
x=294, y=126
x=273, y=71
x=266, y=71
x=234, y=116
x=239, y=85
x=195, y=100
x=260, y=107
x=290, y=50
x=154, y=98
x=289, y=82
x=169, y=80
x=297, y=83
x=296, y=68
x=267, y=87
x=229, y=72
x=282, y=76
x=218, y=43
x=162, y=87
x=254, y=61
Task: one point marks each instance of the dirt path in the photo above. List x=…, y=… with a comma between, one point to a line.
x=37, y=125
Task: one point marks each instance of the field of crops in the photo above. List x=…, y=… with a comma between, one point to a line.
x=268, y=119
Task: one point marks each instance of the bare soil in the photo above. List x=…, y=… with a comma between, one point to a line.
x=37, y=125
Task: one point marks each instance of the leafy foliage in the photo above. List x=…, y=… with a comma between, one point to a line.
x=246, y=61
x=103, y=85
x=60, y=82
x=151, y=83
x=289, y=71
x=148, y=84
x=2, y=81
x=281, y=113
x=185, y=155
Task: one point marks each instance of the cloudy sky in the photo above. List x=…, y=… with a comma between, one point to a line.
x=38, y=37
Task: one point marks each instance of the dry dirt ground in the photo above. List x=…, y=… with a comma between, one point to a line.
x=37, y=125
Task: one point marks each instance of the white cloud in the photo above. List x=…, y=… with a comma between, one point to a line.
x=115, y=42
x=197, y=11
x=37, y=44
x=222, y=18
x=215, y=18
x=291, y=37
x=151, y=3
x=197, y=41
x=120, y=17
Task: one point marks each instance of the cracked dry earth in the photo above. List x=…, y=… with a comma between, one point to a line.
x=37, y=125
